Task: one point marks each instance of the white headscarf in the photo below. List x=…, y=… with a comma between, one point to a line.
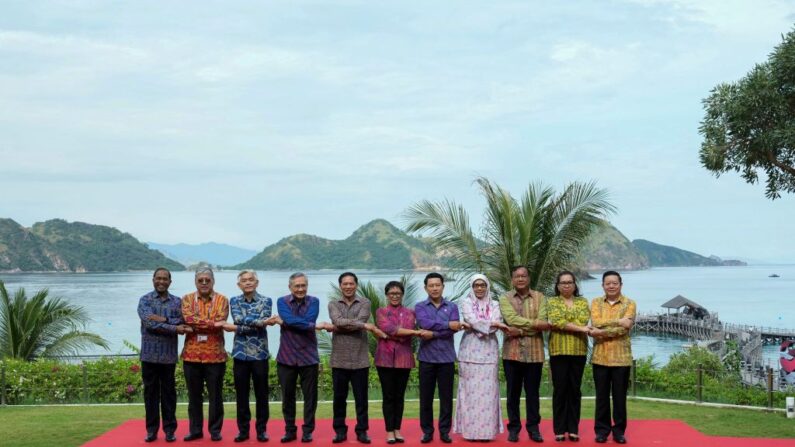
x=481, y=307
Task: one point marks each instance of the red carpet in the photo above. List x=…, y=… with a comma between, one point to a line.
x=640, y=433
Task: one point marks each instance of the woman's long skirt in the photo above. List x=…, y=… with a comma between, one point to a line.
x=478, y=413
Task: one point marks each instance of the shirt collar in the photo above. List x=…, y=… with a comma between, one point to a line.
x=621, y=299
x=291, y=299
x=356, y=299
x=430, y=303
x=155, y=295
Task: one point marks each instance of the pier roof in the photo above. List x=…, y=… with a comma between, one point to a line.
x=679, y=301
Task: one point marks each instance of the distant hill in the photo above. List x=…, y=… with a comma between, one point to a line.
x=608, y=249
x=667, y=256
x=57, y=245
x=376, y=245
x=211, y=252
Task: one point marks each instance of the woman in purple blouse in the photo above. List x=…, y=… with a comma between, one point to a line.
x=394, y=357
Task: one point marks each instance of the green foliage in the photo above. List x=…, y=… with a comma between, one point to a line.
x=749, y=125
x=543, y=230
x=41, y=326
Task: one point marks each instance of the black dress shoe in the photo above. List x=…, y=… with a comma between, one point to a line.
x=601, y=439
x=513, y=437
x=150, y=437
x=170, y=437
x=306, y=437
x=445, y=438
x=426, y=438
x=619, y=439
x=193, y=437
x=363, y=438
x=217, y=437
x=289, y=437
x=536, y=436
x=339, y=437
x=262, y=437
x=241, y=437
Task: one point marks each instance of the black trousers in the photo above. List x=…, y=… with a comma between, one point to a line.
x=246, y=371
x=393, y=389
x=567, y=373
x=611, y=380
x=288, y=378
x=433, y=375
x=358, y=380
x=520, y=375
x=197, y=375
x=160, y=394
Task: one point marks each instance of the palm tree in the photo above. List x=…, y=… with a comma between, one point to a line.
x=42, y=326
x=543, y=230
x=377, y=300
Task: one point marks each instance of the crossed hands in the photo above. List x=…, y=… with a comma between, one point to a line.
x=181, y=328
x=231, y=327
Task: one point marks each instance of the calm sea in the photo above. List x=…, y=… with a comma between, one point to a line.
x=738, y=294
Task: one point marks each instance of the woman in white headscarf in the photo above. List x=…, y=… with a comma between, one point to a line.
x=478, y=414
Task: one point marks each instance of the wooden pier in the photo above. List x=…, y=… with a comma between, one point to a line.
x=692, y=321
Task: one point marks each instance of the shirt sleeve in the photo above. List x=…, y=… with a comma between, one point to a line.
x=145, y=311
x=306, y=322
x=481, y=326
x=512, y=318
x=383, y=322
x=555, y=314
x=601, y=321
x=348, y=324
x=240, y=320
x=191, y=318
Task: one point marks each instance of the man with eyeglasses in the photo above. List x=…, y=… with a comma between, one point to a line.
x=204, y=356
x=612, y=318
x=523, y=352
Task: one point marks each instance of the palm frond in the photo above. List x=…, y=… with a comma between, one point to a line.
x=543, y=231
x=41, y=325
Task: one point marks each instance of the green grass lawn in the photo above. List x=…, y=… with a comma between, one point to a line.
x=72, y=426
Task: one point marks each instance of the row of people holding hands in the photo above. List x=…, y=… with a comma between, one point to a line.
x=521, y=314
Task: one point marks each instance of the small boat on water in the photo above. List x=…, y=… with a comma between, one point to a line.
x=773, y=275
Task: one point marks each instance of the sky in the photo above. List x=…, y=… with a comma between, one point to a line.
x=246, y=122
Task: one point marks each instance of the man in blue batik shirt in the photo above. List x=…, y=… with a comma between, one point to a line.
x=251, y=314
x=161, y=321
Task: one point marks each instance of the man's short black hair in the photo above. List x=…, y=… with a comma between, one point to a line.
x=351, y=274
x=431, y=276
x=161, y=269
x=612, y=273
x=517, y=267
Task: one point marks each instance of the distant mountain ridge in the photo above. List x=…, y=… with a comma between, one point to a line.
x=376, y=245
x=667, y=256
x=58, y=245
x=210, y=252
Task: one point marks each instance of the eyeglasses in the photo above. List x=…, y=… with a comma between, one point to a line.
x=565, y=283
x=394, y=294
x=204, y=281
x=478, y=286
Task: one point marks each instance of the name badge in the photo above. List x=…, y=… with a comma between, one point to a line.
x=202, y=338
